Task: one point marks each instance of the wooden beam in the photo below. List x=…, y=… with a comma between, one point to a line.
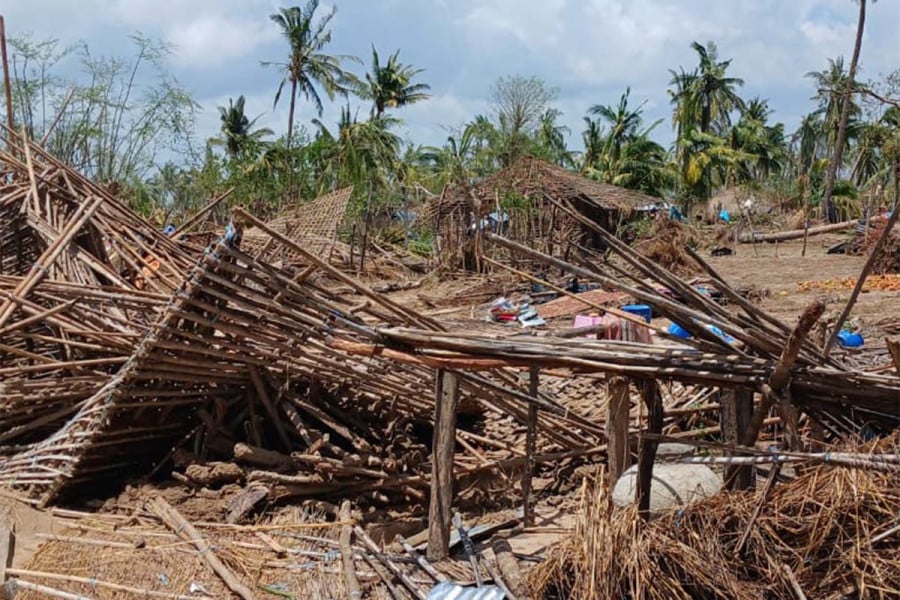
x=618, y=408
x=439, y=510
x=736, y=412
x=530, y=448
x=650, y=394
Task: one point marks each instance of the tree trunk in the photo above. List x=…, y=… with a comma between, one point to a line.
x=290, y=131
x=835, y=162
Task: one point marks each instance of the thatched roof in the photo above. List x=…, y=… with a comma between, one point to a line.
x=533, y=178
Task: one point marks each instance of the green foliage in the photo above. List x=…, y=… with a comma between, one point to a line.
x=120, y=114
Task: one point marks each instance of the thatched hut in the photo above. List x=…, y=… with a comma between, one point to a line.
x=520, y=201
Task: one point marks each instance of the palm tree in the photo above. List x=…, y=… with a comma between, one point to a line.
x=238, y=134
x=551, y=138
x=390, y=85
x=713, y=92
x=592, y=138
x=835, y=161
x=307, y=66
x=623, y=122
x=763, y=142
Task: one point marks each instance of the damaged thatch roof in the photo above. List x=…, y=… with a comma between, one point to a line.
x=534, y=179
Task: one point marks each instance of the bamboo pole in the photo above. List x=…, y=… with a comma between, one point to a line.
x=353, y=590
x=182, y=527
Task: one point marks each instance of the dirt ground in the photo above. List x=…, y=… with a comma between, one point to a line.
x=779, y=268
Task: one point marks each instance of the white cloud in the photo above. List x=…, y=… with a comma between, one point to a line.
x=215, y=40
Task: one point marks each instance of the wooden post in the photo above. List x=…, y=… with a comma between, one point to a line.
x=736, y=412
x=893, y=346
x=7, y=546
x=446, y=398
x=530, y=448
x=618, y=406
x=649, y=389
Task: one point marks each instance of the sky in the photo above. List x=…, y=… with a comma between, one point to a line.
x=589, y=49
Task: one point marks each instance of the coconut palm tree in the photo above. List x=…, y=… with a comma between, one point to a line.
x=623, y=122
x=238, y=134
x=308, y=67
x=551, y=139
x=390, y=85
x=835, y=161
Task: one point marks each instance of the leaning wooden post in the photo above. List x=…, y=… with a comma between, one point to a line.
x=530, y=448
x=446, y=398
x=652, y=398
x=618, y=408
x=736, y=412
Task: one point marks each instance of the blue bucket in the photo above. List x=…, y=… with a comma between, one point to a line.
x=641, y=310
x=850, y=340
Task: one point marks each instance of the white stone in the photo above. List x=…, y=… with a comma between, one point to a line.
x=673, y=486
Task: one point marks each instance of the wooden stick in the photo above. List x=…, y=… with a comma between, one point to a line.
x=182, y=527
x=392, y=567
x=48, y=591
x=770, y=482
x=420, y=560
x=530, y=448
x=103, y=584
x=353, y=590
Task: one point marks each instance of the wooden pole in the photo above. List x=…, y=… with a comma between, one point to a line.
x=618, y=408
x=530, y=448
x=736, y=412
x=439, y=510
x=182, y=527
x=6, y=84
x=652, y=398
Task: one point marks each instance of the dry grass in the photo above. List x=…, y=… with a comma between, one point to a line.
x=817, y=530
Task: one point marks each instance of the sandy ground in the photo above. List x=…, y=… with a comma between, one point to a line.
x=29, y=523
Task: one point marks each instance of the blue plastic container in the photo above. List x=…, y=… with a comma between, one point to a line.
x=641, y=310
x=850, y=340
x=721, y=334
x=679, y=331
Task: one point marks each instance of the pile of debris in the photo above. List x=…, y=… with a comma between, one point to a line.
x=829, y=533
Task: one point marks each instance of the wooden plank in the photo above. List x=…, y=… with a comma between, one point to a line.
x=439, y=509
x=618, y=409
x=530, y=448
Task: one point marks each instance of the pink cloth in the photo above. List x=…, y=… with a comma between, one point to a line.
x=616, y=328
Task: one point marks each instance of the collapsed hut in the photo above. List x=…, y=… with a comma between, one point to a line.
x=520, y=202
x=254, y=360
